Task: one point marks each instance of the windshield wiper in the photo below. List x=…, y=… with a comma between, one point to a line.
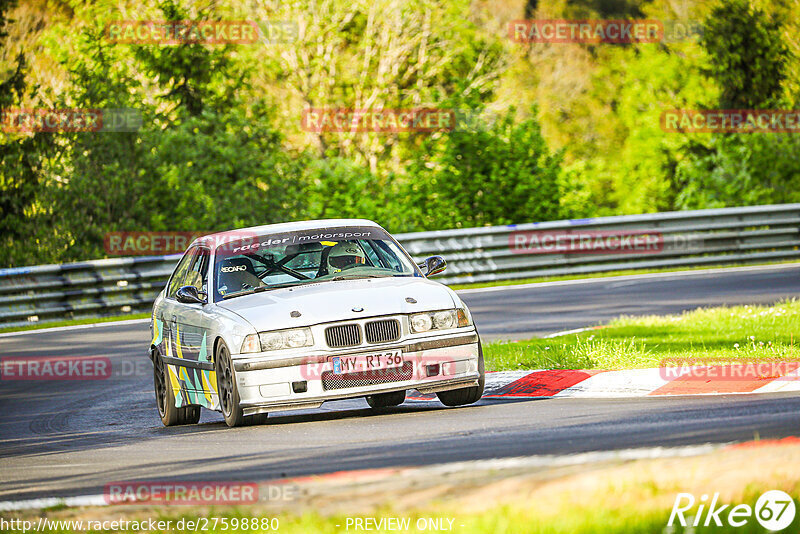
x=259, y=289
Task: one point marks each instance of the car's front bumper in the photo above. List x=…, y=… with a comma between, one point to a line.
x=432, y=363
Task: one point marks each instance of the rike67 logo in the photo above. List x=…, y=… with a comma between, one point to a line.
x=774, y=510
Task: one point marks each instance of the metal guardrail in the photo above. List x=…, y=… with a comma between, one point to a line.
x=99, y=288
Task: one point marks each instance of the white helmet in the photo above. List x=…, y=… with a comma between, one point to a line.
x=343, y=255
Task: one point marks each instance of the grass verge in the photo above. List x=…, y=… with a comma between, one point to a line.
x=751, y=333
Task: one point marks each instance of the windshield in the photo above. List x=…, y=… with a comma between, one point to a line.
x=264, y=262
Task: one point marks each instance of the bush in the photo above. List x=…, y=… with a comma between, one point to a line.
x=500, y=174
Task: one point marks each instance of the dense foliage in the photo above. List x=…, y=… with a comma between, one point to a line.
x=564, y=130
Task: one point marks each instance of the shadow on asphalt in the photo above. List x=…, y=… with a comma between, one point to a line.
x=53, y=431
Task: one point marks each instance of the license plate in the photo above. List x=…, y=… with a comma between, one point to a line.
x=366, y=362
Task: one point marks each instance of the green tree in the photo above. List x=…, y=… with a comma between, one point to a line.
x=23, y=158
x=381, y=54
x=203, y=160
x=749, y=63
x=339, y=187
x=500, y=174
x=637, y=175
x=742, y=169
x=96, y=185
x=749, y=57
x=221, y=170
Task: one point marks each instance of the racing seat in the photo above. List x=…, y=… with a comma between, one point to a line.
x=236, y=274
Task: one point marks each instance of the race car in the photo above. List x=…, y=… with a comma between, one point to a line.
x=288, y=316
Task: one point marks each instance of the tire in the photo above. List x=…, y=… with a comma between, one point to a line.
x=386, y=400
x=226, y=386
x=191, y=414
x=165, y=399
x=460, y=397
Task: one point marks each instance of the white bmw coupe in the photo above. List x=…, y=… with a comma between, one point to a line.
x=288, y=316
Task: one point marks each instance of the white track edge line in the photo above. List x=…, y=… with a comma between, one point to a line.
x=568, y=332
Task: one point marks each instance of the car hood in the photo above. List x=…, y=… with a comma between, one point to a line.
x=336, y=301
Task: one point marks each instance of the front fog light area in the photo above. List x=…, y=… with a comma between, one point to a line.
x=439, y=320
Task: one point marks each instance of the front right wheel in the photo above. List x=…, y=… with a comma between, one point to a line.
x=226, y=386
x=460, y=397
x=386, y=400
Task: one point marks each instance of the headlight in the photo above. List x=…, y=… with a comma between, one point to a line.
x=444, y=319
x=297, y=338
x=440, y=320
x=271, y=340
x=286, y=339
x=421, y=322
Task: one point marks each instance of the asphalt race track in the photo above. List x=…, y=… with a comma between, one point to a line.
x=73, y=437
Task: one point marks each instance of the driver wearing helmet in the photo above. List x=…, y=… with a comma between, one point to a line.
x=345, y=255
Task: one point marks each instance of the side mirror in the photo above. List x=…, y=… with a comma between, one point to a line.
x=433, y=265
x=190, y=295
